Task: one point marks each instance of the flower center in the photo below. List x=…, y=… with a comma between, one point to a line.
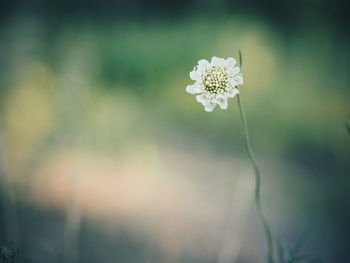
x=215, y=80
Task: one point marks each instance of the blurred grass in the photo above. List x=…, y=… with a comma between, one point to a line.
x=117, y=78
x=109, y=87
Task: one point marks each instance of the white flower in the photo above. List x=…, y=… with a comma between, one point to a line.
x=215, y=82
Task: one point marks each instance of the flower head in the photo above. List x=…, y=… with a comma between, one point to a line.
x=215, y=82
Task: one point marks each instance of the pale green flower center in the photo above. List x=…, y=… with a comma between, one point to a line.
x=215, y=80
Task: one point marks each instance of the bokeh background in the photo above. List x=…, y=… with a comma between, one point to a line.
x=105, y=158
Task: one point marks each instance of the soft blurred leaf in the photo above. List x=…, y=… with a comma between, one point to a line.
x=280, y=251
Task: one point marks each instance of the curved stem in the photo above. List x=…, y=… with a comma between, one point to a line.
x=259, y=209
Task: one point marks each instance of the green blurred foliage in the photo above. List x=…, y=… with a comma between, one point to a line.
x=109, y=84
x=295, y=89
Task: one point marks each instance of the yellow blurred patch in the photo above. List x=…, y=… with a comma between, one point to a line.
x=28, y=114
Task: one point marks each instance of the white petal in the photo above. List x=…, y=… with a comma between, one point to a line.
x=219, y=62
x=233, y=71
x=230, y=62
x=232, y=82
x=203, y=65
x=238, y=79
x=195, y=75
x=223, y=103
x=201, y=98
x=209, y=107
x=192, y=89
x=232, y=92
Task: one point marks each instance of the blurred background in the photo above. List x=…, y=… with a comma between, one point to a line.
x=105, y=158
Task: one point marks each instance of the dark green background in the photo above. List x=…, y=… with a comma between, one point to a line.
x=104, y=76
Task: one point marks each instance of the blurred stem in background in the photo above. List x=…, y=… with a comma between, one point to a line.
x=9, y=200
x=72, y=224
x=259, y=209
x=251, y=156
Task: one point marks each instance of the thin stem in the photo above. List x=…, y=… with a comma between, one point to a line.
x=251, y=156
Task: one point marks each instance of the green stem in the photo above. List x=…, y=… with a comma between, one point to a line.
x=251, y=156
